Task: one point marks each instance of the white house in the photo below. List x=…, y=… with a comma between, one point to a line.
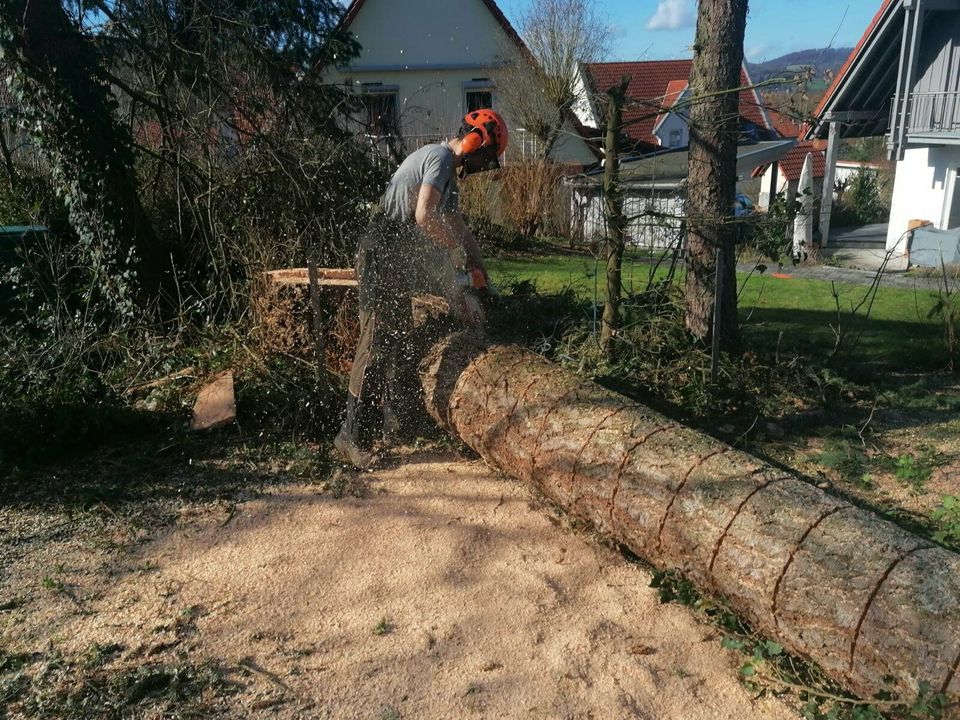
x=425, y=63
x=845, y=170
x=654, y=171
x=657, y=117
x=902, y=80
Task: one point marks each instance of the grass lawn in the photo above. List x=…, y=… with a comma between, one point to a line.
x=794, y=314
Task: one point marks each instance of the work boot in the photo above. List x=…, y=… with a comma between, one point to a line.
x=347, y=440
x=361, y=459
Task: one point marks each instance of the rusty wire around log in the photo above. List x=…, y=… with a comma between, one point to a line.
x=863, y=598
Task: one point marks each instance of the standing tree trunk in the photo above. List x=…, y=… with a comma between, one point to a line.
x=613, y=210
x=69, y=108
x=714, y=125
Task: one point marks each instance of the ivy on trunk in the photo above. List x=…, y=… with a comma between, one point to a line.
x=714, y=126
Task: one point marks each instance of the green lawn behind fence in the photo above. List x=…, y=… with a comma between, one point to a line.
x=793, y=314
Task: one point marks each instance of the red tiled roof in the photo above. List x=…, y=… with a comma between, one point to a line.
x=791, y=164
x=675, y=89
x=838, y=79
x=789, y=128
x=650, y=84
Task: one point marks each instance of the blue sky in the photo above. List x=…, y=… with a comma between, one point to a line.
x=663, y=29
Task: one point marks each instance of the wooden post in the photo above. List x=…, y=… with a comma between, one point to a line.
x=826, y=199
x=613, y=208
x=316, y=308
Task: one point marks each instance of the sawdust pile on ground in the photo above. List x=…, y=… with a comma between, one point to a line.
x=444, y=593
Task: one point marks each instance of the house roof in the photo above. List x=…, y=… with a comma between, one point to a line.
x=669, y=167
x=356, y=5
x=651, y=86
x=675, y=88
x=791, y=164
x=867, y=77
x=788, y=127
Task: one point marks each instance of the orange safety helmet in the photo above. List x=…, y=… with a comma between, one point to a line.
x=484, y=130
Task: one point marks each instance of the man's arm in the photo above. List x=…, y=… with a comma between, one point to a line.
x=443, y=230
x=434, y=225
x=470, y=246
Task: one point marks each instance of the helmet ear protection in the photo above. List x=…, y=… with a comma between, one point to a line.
x=483, y=139
x=472, y=141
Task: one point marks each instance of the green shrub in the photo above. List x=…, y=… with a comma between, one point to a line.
x=947, y=518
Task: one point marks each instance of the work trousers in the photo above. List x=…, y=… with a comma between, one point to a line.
x=395, y=262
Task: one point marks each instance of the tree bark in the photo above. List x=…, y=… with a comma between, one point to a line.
x=613, y=209
x=863, y=598
x=69, y=106
x=712, y=178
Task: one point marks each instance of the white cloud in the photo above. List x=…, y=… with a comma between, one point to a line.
x=672, y=15
x=757, y=53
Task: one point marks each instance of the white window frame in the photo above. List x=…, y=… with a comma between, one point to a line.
x=950, y=196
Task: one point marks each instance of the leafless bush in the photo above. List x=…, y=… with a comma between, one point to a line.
x=528, y=195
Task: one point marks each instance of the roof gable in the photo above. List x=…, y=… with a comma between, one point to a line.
x=833, y=98
x=676, y=89
x=427, y=32
x=652, y=86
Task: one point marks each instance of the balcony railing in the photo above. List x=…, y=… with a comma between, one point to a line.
x=932, y=113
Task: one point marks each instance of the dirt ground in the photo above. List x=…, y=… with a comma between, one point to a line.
x=445, y=591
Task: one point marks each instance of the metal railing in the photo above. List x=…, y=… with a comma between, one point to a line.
x=933, y=112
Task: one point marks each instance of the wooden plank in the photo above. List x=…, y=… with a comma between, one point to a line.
x=326, y=277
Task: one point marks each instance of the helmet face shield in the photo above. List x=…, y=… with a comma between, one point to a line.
x=479, y=161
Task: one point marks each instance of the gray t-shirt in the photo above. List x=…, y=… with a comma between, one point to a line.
x=431, y=164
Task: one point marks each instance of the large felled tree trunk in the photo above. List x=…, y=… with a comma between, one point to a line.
x=712, y=178
x=70, y=112
x=865, y=599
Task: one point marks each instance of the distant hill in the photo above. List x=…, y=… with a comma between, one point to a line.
x=824, y=63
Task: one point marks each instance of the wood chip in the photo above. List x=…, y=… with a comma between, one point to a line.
x=216, y=405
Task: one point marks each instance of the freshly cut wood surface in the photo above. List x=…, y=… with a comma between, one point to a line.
x=877, y=607
x=215, y=405
x=332, y=277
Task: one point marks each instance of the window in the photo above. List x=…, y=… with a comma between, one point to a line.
x=477, y=94
x=377, y=109
x=676, y=138
x=478, y=99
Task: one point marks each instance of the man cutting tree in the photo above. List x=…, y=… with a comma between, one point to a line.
x=407, y=249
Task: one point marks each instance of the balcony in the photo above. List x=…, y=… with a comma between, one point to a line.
x=933, y=116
